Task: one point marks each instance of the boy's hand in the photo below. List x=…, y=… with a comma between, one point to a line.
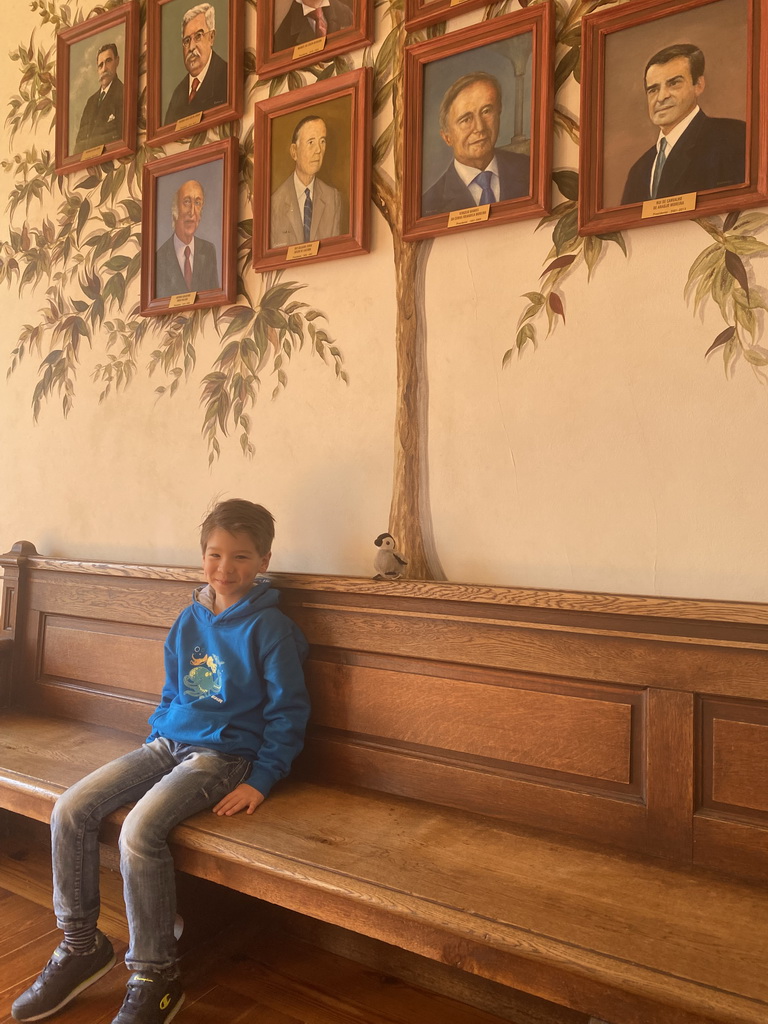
x=241, y=797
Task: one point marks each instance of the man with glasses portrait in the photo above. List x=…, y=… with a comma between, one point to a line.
x=205, y=84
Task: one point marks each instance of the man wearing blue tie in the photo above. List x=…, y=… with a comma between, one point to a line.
x=693, y=152
x=470, y=115
x=305, y=208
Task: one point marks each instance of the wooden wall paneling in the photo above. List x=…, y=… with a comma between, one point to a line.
x=13, y=613
x=125, y=657
x=663, y=662
x=731, y=819
x=107, y=599
x=570, y=732
x=670, y=767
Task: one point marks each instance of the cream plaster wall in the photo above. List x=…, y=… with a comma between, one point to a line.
x=613, y=458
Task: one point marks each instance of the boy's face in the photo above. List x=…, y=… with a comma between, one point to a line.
x=230, y=564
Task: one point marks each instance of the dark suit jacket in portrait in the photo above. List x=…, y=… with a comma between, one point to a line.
x=286, y=226
x=211, y=93
x=169, y=279
x=296, y=28
x=101, y=123
x=711, y=153
x=450, y=193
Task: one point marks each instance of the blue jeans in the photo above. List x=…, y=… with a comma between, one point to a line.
x=169, y=782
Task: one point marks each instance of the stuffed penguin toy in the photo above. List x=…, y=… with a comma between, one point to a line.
x=388, y=563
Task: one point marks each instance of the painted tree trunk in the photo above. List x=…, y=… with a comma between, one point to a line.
x=410, y=517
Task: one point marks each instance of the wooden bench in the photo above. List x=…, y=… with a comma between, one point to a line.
x=563, y=793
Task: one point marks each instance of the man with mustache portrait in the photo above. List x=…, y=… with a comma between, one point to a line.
x=205, y=84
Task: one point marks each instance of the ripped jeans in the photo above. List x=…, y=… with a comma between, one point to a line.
x=168, y=782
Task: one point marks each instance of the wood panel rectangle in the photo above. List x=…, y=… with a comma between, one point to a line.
x=106, y=654
x=107, y=598
x=704, y=666
x=563, y=732
x=732, y=758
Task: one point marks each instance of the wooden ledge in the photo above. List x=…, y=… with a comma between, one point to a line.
x=633, y=606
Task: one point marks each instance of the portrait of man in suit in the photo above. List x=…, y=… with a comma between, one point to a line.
x=693, y=151
x=102, y=118
x=304, y=208
x=205, y=83
x=479, y=173
x=186, y=263
x=311, y=19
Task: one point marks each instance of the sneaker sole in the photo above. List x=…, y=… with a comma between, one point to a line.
x=75, y=992
x=174, y=1011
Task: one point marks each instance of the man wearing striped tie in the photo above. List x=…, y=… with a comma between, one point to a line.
x=470, y=117
x=693, y=152
x=304, y=208
x=186, y=263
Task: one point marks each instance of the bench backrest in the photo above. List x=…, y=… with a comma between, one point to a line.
x=640, y=723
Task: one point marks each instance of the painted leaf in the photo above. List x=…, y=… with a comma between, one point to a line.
x=565, y=234
x=723, y=338
x=756, y=357
x=566, y=67
x=556, y=304
x=736, y=269
x=568, y=183
x=617, y=237
x=558, y=264
x=730, y=220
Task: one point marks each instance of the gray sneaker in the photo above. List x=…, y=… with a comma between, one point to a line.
x=64, y=976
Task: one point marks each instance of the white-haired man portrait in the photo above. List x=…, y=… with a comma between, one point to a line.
x=186, y=263
x=205, y=83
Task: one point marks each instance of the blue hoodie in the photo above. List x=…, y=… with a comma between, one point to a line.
x=234, y=683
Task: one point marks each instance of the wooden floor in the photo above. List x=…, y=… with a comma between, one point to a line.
x=244, y=975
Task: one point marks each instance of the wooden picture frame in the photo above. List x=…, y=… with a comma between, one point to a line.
x=456, y=77
x=334, y=116
x=286, y=40
x=100, y=51
x=718, y=160
x=177, y=190
x=422, y=13
x=176, y=108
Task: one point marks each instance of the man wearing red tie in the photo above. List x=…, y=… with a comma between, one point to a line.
x=205, y=84
x=186, y=263
x=311, y=19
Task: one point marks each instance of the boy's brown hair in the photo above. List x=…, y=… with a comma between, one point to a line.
x=240, y=516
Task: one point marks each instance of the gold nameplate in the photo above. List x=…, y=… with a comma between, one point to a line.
x=313, y=46
x=182, y=299
x=455, y=3
x=93, y=151
x=300, y=252
x=472, y=215
x=189, y=122
x=670, y=204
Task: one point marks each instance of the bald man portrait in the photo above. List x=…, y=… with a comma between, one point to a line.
x=102, y=120
x=205, y=84
x=304, y=208
x=693, y=152
x=186, y=263
x=470, y=116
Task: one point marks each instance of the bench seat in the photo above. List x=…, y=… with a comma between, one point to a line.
x=538, y=913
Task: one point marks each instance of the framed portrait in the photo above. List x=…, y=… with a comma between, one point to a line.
x=293, y=34
x=97, y=65
x=673, y=112
x=188, y=229
x=195, y=55
x=312, y=202
x=478, y=125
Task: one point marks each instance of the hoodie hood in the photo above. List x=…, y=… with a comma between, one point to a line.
x=261, y=595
